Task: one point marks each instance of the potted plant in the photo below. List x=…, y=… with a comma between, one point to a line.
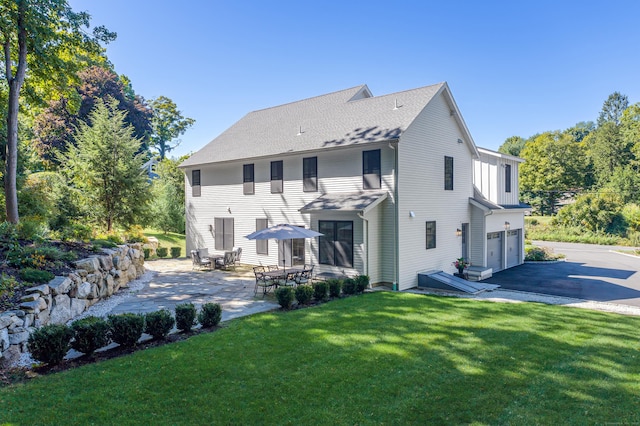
x=460, y=264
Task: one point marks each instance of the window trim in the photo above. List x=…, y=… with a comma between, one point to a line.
x=310, y=177
x=448, y=173
x=322, y=240
x=507, y=178
x=277, y=178
x=370, y=171
x=430, y=233
x=248, y=179
x=196, y=189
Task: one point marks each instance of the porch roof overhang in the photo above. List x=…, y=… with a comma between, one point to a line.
x=359, y=202
x=486, y=205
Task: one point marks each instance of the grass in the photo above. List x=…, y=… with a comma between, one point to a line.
x=380, y=358
x=542, y=228
x=170, y=239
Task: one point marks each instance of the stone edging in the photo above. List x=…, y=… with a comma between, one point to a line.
x=66, y=297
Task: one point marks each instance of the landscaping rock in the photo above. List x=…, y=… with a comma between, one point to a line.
x=31, y=306
x=60, y=285
x=18, y=336
x=4, y=339
x=5, y=320
x=110, y=284
x=91, y=264
x=84, y=290
x=41, y=319
x=106, y=262
x=61, y=311
x=30, y=297
x=78, y=306
x=41, y=289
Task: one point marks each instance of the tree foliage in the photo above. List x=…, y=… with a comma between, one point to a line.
x=106, y=167
x=168, y=196
x=41, y=35
x=613, y=108
x=594, y=212
x=512, y=146
x=168, y=124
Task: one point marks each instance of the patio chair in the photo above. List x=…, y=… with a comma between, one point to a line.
x=306, y=276
x=227, y=261
x=288, y=279
x=199, y=262
x=262, y=281
x=273, y=268
x=238, y=251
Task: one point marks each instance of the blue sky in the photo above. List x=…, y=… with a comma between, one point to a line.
x=515, y=68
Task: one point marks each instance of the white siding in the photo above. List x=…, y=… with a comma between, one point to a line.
x=478, y=236
x=422, y=148
x=339, y=171
x=489, y=177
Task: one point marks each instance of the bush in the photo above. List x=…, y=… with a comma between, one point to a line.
x=304, y=293
x=147, y=252
x=335, y=287
x=349, y=286
x=158, y=324
x=210, y=315
x=175, y=252
x=161, y=251
x=103, y=244
x=75, y=231
x=185, y=316
x=285, y=297
x=362, y=282
x=320, y=290
x=126, y=329
x=33, y=275
x=90, y=333
x=32, y=230
x=8, y=286
x=135, y=235
x=49, y=344
x=540, y=254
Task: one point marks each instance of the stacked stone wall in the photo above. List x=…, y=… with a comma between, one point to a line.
x=66, y=297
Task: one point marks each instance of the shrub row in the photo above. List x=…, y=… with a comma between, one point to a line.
x=49, y=344
x=304, y=294
x=162, y=252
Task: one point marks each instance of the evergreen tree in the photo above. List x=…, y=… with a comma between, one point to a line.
x=105, y=167
x=168, y=197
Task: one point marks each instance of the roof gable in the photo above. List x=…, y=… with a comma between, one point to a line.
x=345, y=118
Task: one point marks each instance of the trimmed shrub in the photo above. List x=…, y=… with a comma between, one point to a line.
x=285, y=297
x=349, y=286
x=304, y=293
x=175, y=252
x=49, y=344
x=320, y=290
x=33, y=275
x=126, y=329
x=210, y=315
x=158, y=324
x=335, y=287
x=161, y=252
x=185, y=316
x=89, y=334
x=99, y=244
x=147, y=252
x=362, y=282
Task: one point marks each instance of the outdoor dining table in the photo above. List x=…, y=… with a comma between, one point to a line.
x=280, y=273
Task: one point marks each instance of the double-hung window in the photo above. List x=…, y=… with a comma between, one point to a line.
x=336, y=243
x=448, y=173
x=371, y=170
x=223, y=233
x=310, y=174
x=195, y=183
x=276, y=177
x=248, y=179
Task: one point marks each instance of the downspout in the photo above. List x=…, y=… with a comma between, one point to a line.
x=396, y=259
x=366, y=244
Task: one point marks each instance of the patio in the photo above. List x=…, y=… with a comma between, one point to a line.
x=174, y=282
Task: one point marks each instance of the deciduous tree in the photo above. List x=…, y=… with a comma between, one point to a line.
x=168, y=124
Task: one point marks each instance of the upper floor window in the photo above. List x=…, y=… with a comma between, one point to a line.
x=276, y=177
x=448, y=173
x=247, y=179
x=310, y=174
x=371, y=170
x=507, y=178
x=195, y=183
x=431, y=234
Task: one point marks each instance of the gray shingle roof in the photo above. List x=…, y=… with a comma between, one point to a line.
x=331, y=120
x=352, y=202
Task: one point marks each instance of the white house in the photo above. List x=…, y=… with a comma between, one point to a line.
x=395, y=183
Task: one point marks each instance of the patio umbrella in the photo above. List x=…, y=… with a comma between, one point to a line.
x=283, y=232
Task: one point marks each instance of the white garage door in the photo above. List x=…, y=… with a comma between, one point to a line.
x=494, y=251
x=514, y=248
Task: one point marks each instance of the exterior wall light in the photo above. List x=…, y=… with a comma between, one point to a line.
x=458, y=232
x=507, y=226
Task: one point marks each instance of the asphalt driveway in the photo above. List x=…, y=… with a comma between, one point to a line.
x=589, y=272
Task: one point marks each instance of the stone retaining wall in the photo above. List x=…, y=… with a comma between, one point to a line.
x=66, y=297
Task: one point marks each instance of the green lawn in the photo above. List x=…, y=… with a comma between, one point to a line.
x=170, y=239
x=380, y=358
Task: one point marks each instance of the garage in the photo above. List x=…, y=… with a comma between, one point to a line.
x=513, y=248
x=494, y=251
